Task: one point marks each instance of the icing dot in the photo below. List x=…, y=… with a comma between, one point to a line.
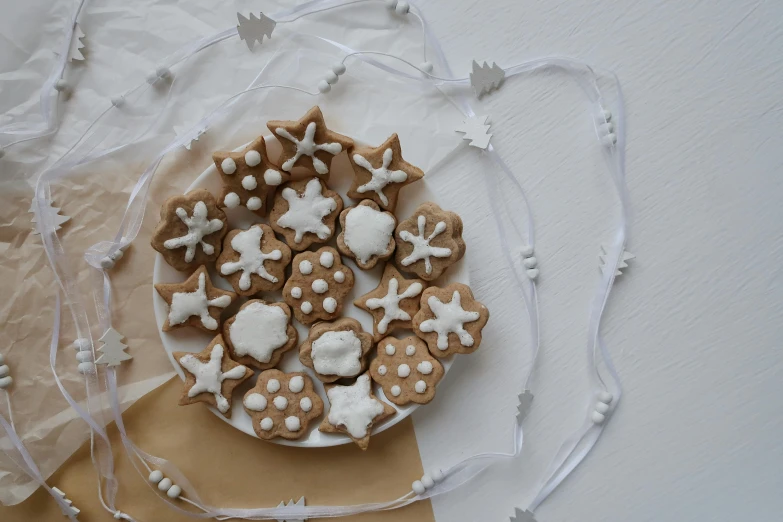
x=327, y=259
x=254, y=203
x=296, y=384
x=396, y=391
x=382, y=370
x=255, y=402
x=410, y=350
x=339, y=276
x=292, y=423
x=330, y=304
x=425, y=367
x=231, y=200
x=306, y=404
x=420, y=386
x=280, y=402
x=403, y=370
x=252, y=158
x=320, y=286
x=296, y=292
x=390, y=349
x=228, y=166
x=272, y=177
x=249, y=182
x=267, y=424
x=306, y=307
x=306, y=267
x=273, y=386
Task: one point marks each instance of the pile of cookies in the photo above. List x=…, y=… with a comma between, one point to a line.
x=193, y=234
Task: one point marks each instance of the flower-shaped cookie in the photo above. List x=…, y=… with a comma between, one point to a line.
x=367, y=234
x=194, y=302
x=248, y=176
x=211, y=376
x=318, y=284
x=380, y=173
x=304, y=212
x=429, y=242
x=406, y=371
x=450, y=320
x=336, y=350
x=254, y=260
x=308, y=143
x=282, y=404
x=354, y=410
x=260, y=333
x=393, y=303
x=190, y=230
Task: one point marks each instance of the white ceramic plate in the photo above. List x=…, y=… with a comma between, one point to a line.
x=193, y=340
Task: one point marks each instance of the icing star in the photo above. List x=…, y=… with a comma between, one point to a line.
x=254, y=260
x=450, y=320
x=308, y=143
x=198, y=226
x=380, y=173
x=304, y=212
x=194, y=302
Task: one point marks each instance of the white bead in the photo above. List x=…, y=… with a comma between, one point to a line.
x=152, y=78
x=156, y=476
x=437, y=475
x=531, y=262
x=2, y=359
x=426, y=67
x=81, y=344
x=610, y=139
x=5, y=382
x=391, y=4
x=605, y=397
x=163, y=71
x=597, y=418
x=601, y=407
x=4, y=370
x=331, y=77
x=606, y=128
x=532, y=273
x=61, y=85
x=174, y=491
x=427, y=481
x=526, y=251
x=118, y=101
x=117, y=255
x=84, y=357
x=165, y=484
x=86, y=367
x=605, y=115
x=107, y=263
x=418, y=487
x=324, y=86
x=402, y=7
x=338, y=68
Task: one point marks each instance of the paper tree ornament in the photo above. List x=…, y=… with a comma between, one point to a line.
x=53, y=211
x=522, y=516
x=485, y=78
x=254, y=29
x=525, y=401
x=181, y=131
x=75, y=53
x=476, y=129
x=627, y=256
x=112, y=351
x=300, y=502
x=70, y=510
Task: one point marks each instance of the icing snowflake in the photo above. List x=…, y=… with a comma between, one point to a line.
x=306, y=213
x=421, y=244
x=251, y=259
x=210, y=376
x=391, y=304
x=449, y=318
x=198, y=227
x=187, y=304
x=308, y=147
x=381, y=176
x=353, y=407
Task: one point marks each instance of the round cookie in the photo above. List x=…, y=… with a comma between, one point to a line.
x=393, y=303
x=254, y=260
x=318, y=284
x=304, y=212
x=367, y=234
x=194, y=302
x=336, y=350
x=406, y=371
x=260, y=333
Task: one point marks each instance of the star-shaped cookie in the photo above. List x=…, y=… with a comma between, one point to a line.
x=380, y=173
x=308, y=143
x=194, y=302
x=248, y=176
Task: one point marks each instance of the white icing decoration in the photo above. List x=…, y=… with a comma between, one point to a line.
x=306, y=267
x=296, y=384
x=306, y=307
x=320, y=286
x=267, y=424
x=296, y=292
x=330, y=304
x=258, y=330
x=187, y=304
x=198, y=227
x=228, y=166
x=381, y=176
x=391, y=304
x=410, y=350
x=382, y=369
x=367, y=232
x=449, y=318
x=293, y=423
x=339, y=276
x=425, y=367
x=421, y=245
x=420, y=386
x=249, y=182
x=210, y=376
x=337, y=353
x=280, y=402
x=396, y=391
x=306, y=213
x=231, y=200
x=252, y=158
x=306, y=404
x=403, y=370
x=251, y=259
x=255, y=402
x=353, y=407
x=254, y=203
x=308, y=147
x=273, y=386
x=272, y=177
x=390, y=349
x=326, y=259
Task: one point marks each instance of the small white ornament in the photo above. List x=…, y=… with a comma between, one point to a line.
x=113, y=350
x=118, y=101
x=75, y=53
x=627, y=256
x=525, y=401
x=6, y=382
x=52, y=211
x=605, y=397
x=254, y=29
x=331, y=77
x=485, y=79
x=437, y=475
x=69, y=510
x=155, y=476
x=523, y=516
x=533, y=273
x=418, y=487
x=402, y=7
x=324, y=87
x=427, y=481
x=426, y=67
x=597, y=418
x=184, y=131
x=163, y=72
x=61, y=85
x=174, y=491
x=291, y=503
x=165, y=484
x=338, y=68
x=476, y=129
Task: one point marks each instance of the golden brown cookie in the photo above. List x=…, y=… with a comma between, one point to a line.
x=393, y=303
x=211, y=376
x=308, y=143
x=190, y=230
x=380, y=173
x=429, y=241
x=336, y=350
x=248, y=176
x=367, y=234
x=450, y=320
x=260, y=333
x=194, y=302
x=354, y=410
x=406, y=371
x=318, y=284
x=304, y=212
x=254, y=260
x=282, y=404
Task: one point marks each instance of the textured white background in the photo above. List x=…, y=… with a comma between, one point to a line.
x=694, y=325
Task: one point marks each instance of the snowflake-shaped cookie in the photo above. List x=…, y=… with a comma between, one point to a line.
x=450, y=320
x=367, y=234
x=406, y=371
x=260, y=333
x=304, y=212
x=318, y=284
x=282, y=404
x=336, y=350
x=254, y=260
x=194, y=302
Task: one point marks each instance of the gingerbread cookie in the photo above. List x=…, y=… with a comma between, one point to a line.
x=282, y=404
x=211, y=376
x=336, y=350
x=192, y=222
x=254, y=260
x=380, y=173
x=304, y=212
x=406, y=371
x=248, y=176
x=318, y=284
x=429, y=242
x=195, y=302
x=308, y=143
x=393, y=303
x=450, y=320
x=260, y=333
x=354, y=410
x=367, y=234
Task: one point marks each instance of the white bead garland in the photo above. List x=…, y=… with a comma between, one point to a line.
x=84, y=356
x=165, y=484
x=5, y=378
x=601, y=407
x=530, y=262
x=108, y=261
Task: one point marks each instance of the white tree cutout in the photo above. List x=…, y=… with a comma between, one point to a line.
x=113, y=350
x=290, y=504
x=254, y=29
x=476, y=129
x=75, y=53
x=53, y=211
